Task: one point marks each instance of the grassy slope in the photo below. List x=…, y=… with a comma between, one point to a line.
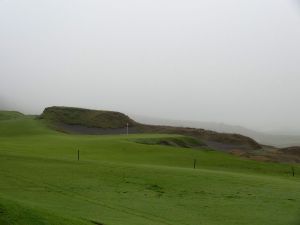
x=120, y=182
x=58, y=116
x=86, y=117
x=6, y=115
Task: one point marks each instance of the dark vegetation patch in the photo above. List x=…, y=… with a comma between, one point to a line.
x=232, y=196
x=16, y=213
x=156, y=188
x=96, y=222
x=4, y=218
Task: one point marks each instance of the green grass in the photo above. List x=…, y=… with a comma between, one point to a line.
x=7, y=115
x=120, y=182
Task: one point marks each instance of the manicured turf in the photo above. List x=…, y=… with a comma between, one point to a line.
x=118, y=181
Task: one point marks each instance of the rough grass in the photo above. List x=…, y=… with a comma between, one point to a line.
x=120, y=182
x=86, y=117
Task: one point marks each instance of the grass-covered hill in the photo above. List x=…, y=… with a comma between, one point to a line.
x=16, y=124
x=135, y=179
x=86, y=121
x=86, y=117
x=7, y=115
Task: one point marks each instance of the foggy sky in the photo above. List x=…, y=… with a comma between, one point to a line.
x=233, y=61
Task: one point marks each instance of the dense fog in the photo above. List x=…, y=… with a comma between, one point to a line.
x=234, y=61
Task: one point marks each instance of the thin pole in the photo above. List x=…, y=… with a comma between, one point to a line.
x=293, y=171
x=127, y=128
x=195, y=163
x=78, y=155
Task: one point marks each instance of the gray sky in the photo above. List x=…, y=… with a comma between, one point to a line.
x=233, y=61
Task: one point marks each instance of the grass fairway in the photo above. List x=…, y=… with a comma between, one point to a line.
x=118, y=181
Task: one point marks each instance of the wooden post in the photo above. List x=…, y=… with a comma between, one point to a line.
x=78, y=155
x=194, y=163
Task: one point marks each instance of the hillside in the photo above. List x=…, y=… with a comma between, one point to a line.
x=294, y=151
x=86, y=117
x=97, y=122
x=7, y=115
x=215, y=140
x=279, y=140
x=86, y=121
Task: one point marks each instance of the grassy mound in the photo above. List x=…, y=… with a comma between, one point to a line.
x=8, y=115
x=14, y=124
x=86, y=117
x=234, y=140
x=177, y=141
x=23, y=127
